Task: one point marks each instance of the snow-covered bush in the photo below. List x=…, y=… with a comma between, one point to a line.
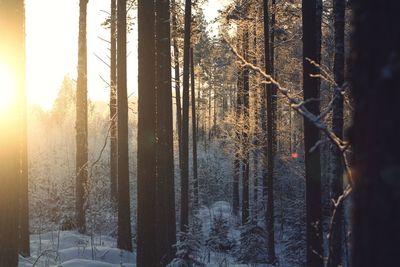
x=252, y=246
x=218, y=240
x=189, y=245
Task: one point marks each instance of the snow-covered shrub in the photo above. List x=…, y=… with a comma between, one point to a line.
x=189, y=245
x=252, y=246
x=218, y=240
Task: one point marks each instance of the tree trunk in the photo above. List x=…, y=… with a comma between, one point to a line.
x=268, y=146
x=12, y=58
x=311, y=50
x=256, y=136
x=335, y=244
x=375, y=80
x=177, y=79
x=24, y=238
x=194, y=133
x=274, y=100
x=165, y=194
x=257, y=116
x=146, y=237
x=185, y=121
x=245, y=132
x=81, y=123
x=113, y=103
x=237, y=161
x=24, y=243
x=124, y=209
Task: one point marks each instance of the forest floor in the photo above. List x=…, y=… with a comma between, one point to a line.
x=71, y=249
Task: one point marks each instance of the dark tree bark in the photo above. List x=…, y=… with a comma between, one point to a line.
x=9, y=177
x=245, y=135
x=256, y=136
x=237, y=161
x=165, y=194
x=12, y=58
x=194, y=133
x=146, y=236
x=185, y=120
x=274, y=96
x=209, y=100
x=113, y=102
x=268, y=144
x=177, y=79
x=24, y=238
x=375, y=83
x=319, y=11
x=311, y=51
x=81, y=122
x=335, y=245
x=124, y=209
x=23, y=235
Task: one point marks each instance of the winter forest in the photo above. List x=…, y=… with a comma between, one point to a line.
x=180, y=133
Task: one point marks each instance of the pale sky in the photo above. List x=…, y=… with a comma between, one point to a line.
x=52, y=41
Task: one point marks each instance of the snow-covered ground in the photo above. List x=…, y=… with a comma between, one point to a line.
x=71, y=249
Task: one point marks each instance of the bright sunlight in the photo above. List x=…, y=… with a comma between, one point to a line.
x=7, y=89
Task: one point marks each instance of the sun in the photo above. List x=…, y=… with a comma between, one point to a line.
x=7, y=88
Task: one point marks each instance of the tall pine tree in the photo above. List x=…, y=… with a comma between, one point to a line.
x=146, y=165
x=81, y=122
x=113, y=101
x=165, y=190
x=124, y=210
x=268, y=145
x=12, y=60
x=185, y=120
x=194, y=132
x=335, y=245
x=311, y=51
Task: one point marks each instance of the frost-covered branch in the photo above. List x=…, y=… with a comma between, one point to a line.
x=296, y=104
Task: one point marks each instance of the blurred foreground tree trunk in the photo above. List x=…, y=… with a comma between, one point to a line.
x=12, y=116
x=375, y=84
x=23, y=218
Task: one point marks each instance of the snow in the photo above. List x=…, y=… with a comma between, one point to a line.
x=70, y=249
x=75, y=250
x=89, y=263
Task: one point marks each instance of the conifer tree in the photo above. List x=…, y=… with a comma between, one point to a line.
x=311, y=51
x=124, y=208
x=146, y=164
x=81, y=122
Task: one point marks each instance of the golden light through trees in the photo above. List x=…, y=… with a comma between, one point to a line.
x=51, y=34
x=7, y=89
x=51, y=48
